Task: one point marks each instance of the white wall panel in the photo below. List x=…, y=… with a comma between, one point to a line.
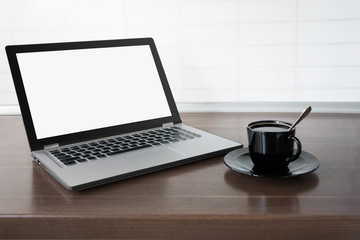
x=329, y=55
x=216, y=78
x=267, y=33
x=8, y=98
x=266, y=95
x=40, y=36
x=88, y=18
x=209, y=35
x=344, y=31
x=267, y=56
x=211, y=95
x=4, y=69
x=328, y=9
x=328, y=77
x=212, y=50
x=5, y=23
x=206, y=12
x=210, y=57
x=152, y=14
x=6, y=37
x=174, y=76
x=8, y=85
x=328, y=95
x=266, y=11
x=35, y=19
x=270, y=78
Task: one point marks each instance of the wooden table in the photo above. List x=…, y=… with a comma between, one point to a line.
x=202, y=200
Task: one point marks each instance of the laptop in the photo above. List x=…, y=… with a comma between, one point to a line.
x=96, y=112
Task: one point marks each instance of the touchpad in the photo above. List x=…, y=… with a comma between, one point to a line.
x=148, y=159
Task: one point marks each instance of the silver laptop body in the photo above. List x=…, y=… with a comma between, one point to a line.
x=101, y=111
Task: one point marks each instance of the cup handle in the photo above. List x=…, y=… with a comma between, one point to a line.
x=298, y=151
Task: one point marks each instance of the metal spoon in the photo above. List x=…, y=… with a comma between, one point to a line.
x=301, y=117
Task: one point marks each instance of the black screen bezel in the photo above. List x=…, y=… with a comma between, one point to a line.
x=38, y=144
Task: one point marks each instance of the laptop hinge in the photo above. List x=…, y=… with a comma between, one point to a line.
x=51, y=146
x=168, y=124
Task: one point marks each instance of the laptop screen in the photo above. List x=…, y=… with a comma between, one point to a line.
x=77, y=90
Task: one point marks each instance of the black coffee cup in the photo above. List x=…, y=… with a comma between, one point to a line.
x=271, y=146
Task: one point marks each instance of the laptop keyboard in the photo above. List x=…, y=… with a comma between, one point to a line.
x=106, y=148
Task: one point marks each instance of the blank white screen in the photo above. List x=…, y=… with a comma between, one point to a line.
x=77, y=90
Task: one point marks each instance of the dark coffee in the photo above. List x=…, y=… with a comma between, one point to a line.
x=271, y=145
x=271, y=128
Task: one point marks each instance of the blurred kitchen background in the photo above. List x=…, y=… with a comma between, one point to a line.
x=219, y=55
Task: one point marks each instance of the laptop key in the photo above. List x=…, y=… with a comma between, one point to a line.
x=69, y=163
x=64, y=157
x=129, y=149
x=70, y=159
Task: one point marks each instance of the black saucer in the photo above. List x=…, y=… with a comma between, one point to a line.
x=239, y=161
